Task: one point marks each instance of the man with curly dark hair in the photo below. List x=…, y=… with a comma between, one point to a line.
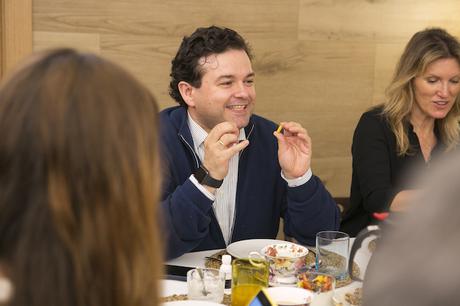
x=230, y=174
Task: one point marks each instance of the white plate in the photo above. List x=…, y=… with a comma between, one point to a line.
x=295, y=296
x=191, y=303
x=242, y=248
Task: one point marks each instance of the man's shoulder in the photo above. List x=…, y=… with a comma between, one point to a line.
x=173, y=116
x=263, y=123
x=170, y=113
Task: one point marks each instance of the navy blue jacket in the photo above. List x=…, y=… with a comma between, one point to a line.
x=262, y=195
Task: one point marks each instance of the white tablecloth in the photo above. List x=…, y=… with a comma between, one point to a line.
x=194, y=259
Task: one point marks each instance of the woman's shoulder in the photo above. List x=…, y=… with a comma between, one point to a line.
x=374, y=117
x=374, y=112
x=372, y=128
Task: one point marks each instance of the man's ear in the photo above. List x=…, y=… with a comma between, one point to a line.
x=186, y=91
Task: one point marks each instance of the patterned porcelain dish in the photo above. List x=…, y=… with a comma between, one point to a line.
x=286, y=260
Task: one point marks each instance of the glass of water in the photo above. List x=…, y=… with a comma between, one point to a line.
x=206, y=284
x=332, y=253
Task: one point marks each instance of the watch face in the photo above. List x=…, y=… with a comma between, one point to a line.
x=200, y=174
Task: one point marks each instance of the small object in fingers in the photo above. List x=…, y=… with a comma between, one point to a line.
x=221, y=142
x=280, y=129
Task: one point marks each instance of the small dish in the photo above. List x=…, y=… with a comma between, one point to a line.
x=321, y=284
x=316, y=281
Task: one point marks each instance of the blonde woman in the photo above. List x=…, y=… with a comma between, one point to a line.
x=417, y=123
x=78, y=184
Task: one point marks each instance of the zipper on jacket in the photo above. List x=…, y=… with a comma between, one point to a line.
x=197, y=160
x=247, y=137
x=237, y=183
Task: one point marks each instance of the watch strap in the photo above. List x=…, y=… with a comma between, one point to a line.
x=202, y=176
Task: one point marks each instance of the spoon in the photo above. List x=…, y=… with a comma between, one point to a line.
x=200, y=273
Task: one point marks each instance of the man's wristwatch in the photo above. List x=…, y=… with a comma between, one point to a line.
x=202, y=176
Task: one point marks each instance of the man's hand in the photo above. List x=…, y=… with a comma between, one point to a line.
x=294, y=149
x=220, y=146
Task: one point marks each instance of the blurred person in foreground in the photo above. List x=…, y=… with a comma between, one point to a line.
x=416, y=260
x=417, y=124
x=230, y=174
x=78, y=184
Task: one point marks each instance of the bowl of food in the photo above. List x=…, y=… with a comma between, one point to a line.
x=316, y=281
x=322, y=284
x=285, y=260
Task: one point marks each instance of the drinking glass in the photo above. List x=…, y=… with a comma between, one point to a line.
x=249, y=275
x=332, y=252
x=206, y=284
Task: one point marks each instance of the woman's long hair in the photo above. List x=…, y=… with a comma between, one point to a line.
x=79, y=183
x=424, y=48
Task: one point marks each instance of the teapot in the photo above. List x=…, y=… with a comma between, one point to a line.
x=370, y=230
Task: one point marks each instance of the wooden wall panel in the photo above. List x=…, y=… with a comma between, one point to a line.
x=374, y=20
x=83, y=41
x=2, y=34
x=313, y=76
x=321, y=63
x=15, y=32
x=167, y=19
x=148, y=59
x=386, y=59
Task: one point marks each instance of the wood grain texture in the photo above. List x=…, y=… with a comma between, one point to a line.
x=319, y=62
x=81, y=41
x=387, y=56
x=2, y=33
x=374, y=20
x=15, y=32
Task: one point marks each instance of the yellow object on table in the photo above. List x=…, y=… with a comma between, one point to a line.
x=249, y=275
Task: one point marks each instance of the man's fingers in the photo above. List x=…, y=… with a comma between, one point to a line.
x=237, y=147
x=228, y=139
x=222, y=128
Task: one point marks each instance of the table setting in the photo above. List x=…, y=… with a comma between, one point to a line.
x=291, y=274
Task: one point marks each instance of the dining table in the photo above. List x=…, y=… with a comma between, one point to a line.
x=175, y=278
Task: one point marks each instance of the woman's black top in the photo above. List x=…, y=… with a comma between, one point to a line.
x=379, y=173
